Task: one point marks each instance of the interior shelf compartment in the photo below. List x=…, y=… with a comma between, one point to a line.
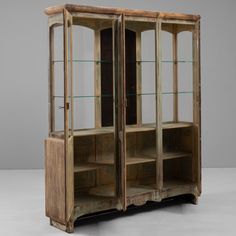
x=177, y=142
x=88, y=150
x=141, y=178
x=129, y=129
x=177, y=172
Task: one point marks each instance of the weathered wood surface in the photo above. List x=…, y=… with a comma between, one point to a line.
x=196, y=107
x=158, y=88
x=55, y=179
x=143, y=162
x=128, y=12
x=129, y=129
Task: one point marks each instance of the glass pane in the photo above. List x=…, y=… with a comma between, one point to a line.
x=59, y=113
x=185, y=46
x=185, y=75
x=167, y=77
x=140, y=87
x=58, y=79
x=177, y=68
x=148, y=108
x=167, y=107
x=83, y=88
x=166, y=45
x=84, y=117
x=186, y=107
x=58, y=43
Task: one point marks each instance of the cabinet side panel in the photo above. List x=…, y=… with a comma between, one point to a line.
x=70, y=180
x=55, y=179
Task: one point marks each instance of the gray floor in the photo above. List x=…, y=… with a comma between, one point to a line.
x=22, y=210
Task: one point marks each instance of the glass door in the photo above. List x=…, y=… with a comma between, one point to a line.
x=68, y=113
x=96, y=153
x=140, y=80
x=178, y=95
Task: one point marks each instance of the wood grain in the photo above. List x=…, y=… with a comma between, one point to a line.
x=118, y=11
x=55, y=179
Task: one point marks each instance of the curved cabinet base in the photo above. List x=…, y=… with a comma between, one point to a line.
x=189, y=193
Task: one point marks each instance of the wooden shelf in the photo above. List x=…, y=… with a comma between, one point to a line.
x=140, y=128
x=129, y=129
x=173, y=155
x=86, y=167
x=109, y=190
x=176, y=125
x=129, y=161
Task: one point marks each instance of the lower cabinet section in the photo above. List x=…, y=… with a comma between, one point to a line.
x=84, y=181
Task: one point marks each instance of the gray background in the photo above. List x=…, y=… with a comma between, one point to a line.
x=23, y=74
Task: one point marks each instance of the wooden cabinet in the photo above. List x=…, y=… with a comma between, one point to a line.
x=124, y=110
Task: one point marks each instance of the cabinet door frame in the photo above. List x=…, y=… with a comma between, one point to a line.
x=68, y=114
x=120, y=113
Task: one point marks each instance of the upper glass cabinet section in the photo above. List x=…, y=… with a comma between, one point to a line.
x=90, y=60
x=90, y=72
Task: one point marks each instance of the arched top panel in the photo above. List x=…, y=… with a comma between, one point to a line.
x=177, y=28
x=93, y=22
x=139, y=26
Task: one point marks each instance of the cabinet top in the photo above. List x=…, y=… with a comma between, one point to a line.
x=129, y=12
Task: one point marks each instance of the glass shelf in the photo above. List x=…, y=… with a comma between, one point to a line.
x=181, y=92
x=167, y=61
x=177, y=61
x=130, y=94
x=139, y=61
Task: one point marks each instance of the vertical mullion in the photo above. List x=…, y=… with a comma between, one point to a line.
x=175, y=75
x=65, y=55
x=71, y=79
x=97, y=78
x=113, y=70
x=196, y=107
x=122, y=93
x=159, y=161
x=65, y=50
x=114, y=25
x=116, y=50
x=51, y=81
x=139, y=77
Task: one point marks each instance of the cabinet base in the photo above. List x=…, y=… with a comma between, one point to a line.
x=69, y=227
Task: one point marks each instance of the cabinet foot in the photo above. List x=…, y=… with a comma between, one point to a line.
x=193, y=199
x=69, y=228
